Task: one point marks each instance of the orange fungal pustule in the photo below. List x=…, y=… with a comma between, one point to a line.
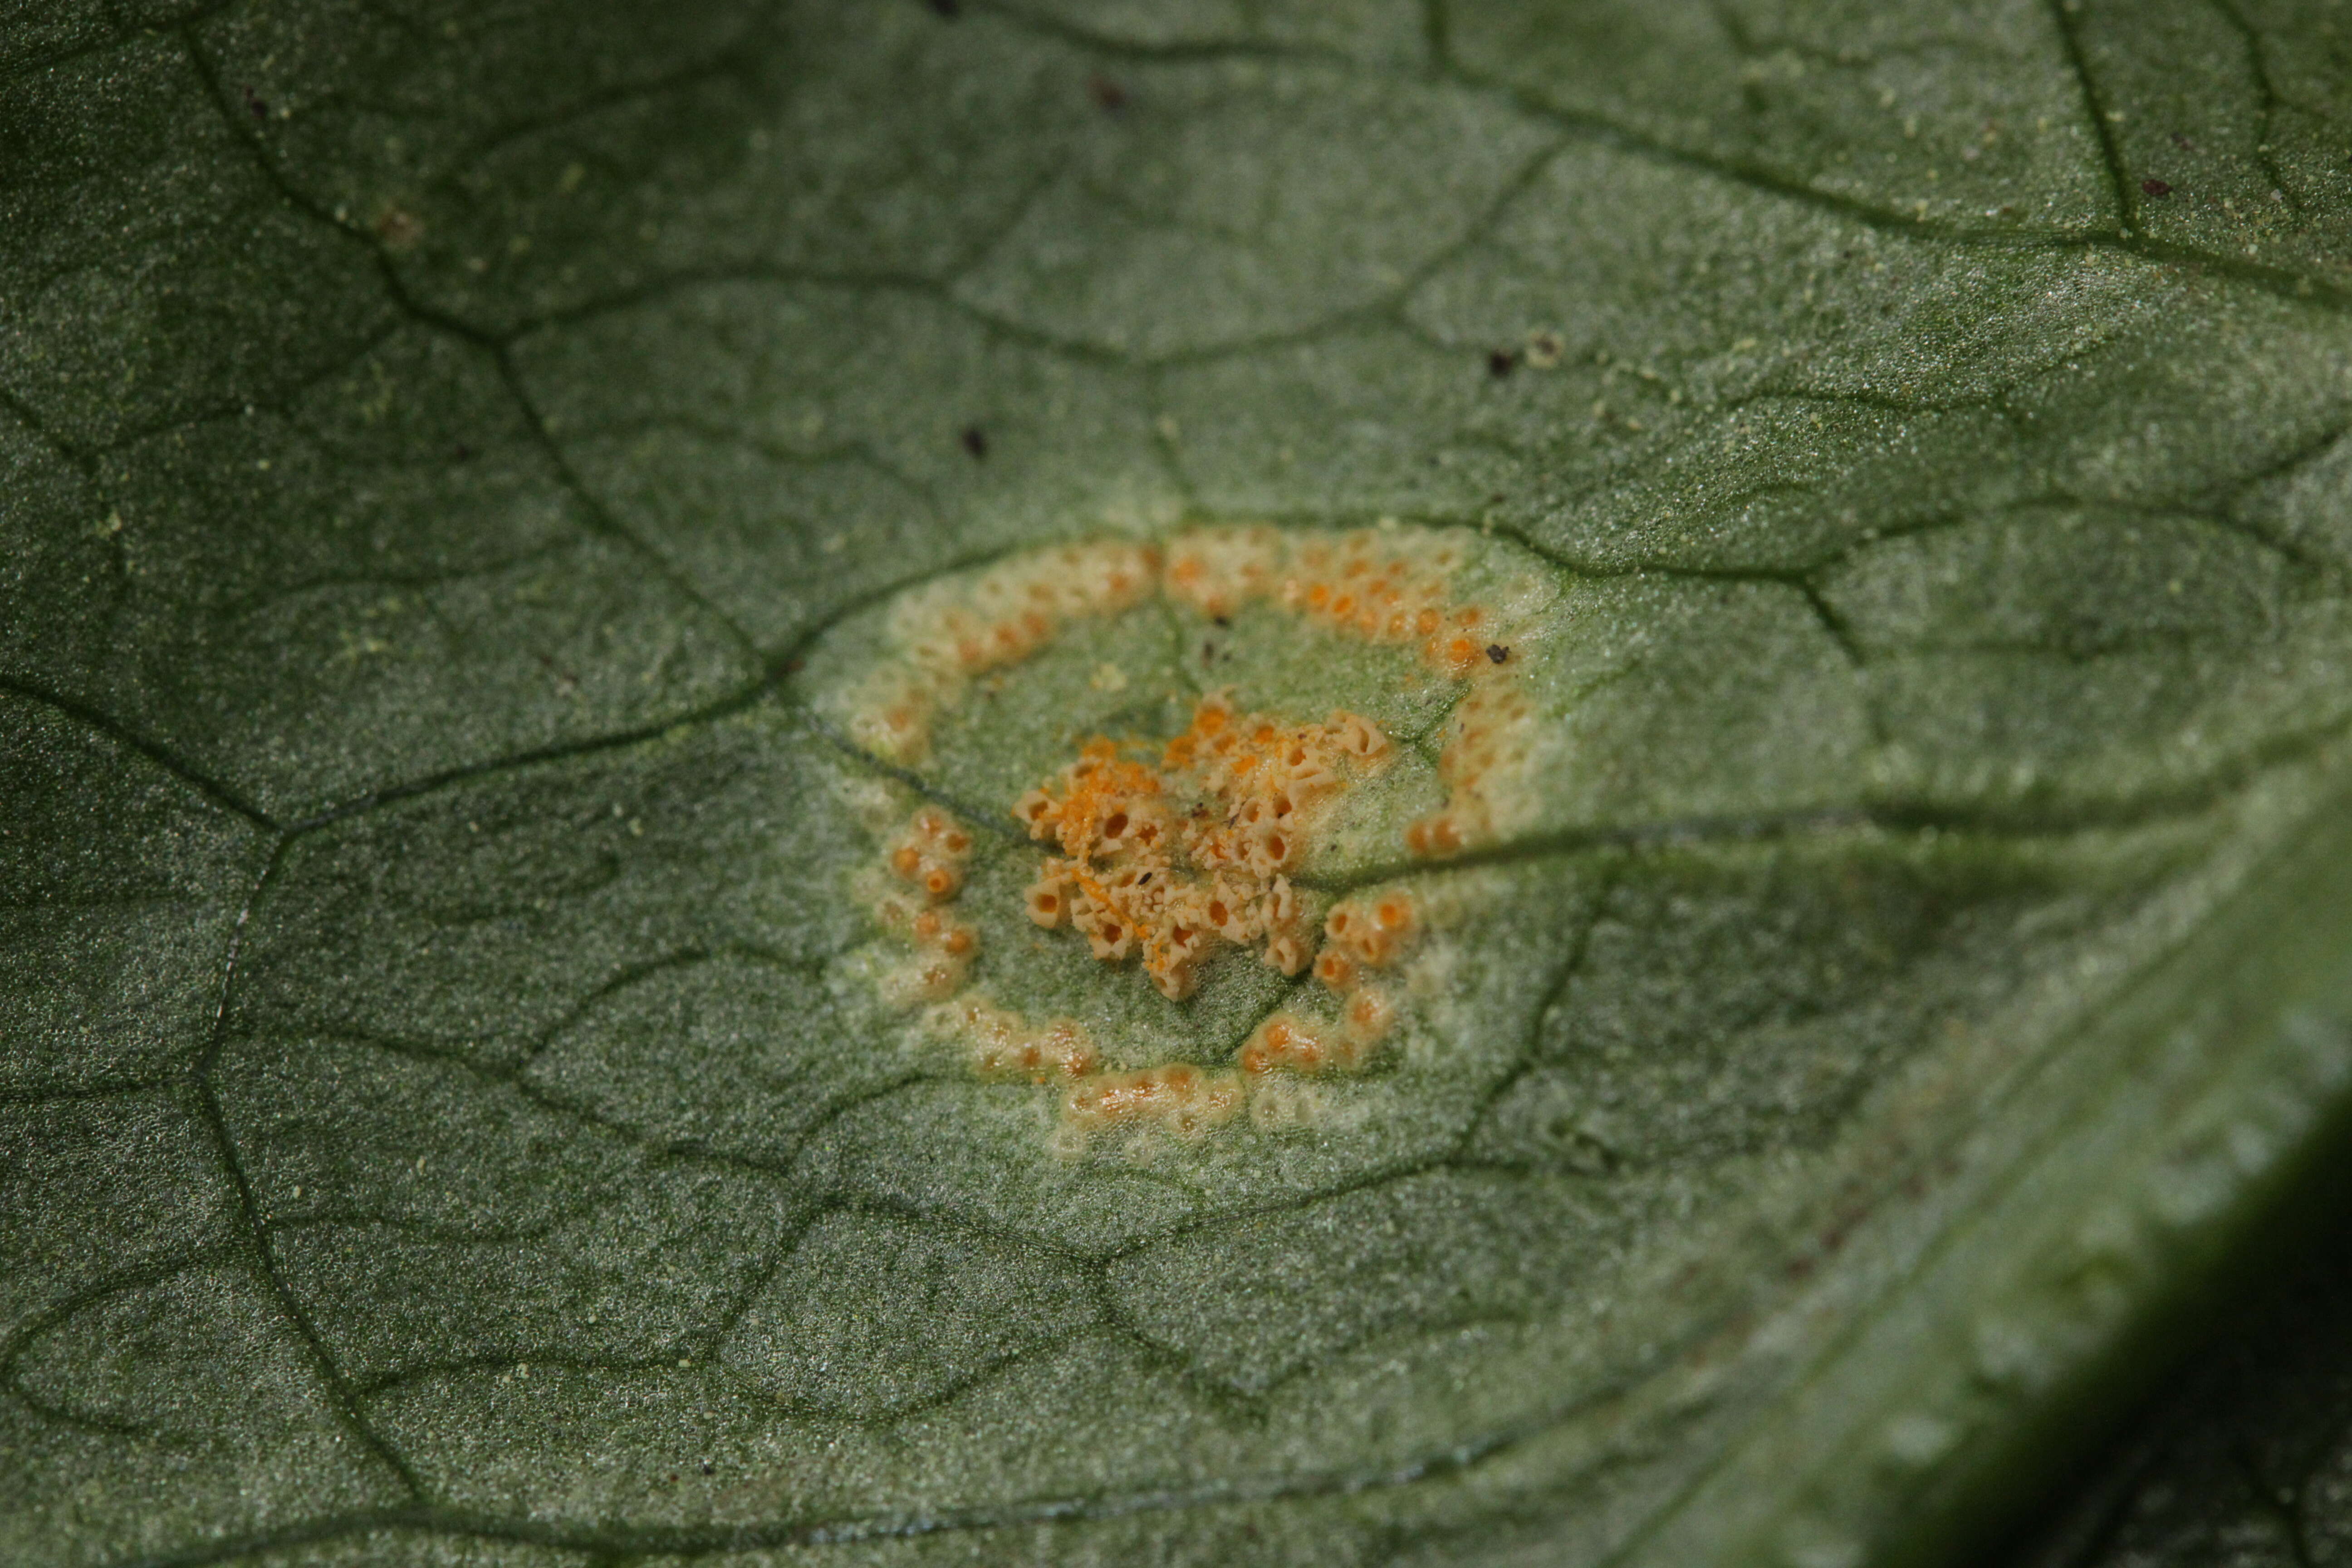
x=1373, y=932
x=1180, y=1098
x=1166, y=856
x=1004, y=1047
x=1160, y=856
x=926, y=858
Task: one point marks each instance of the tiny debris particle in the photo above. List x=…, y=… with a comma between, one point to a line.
x=2155, y=187
x=1499, y=364
x=1498, y=652
x=1109, y=96
x=2183, y=142
x=1545, y=349
x=975, y=441
x=253, y=101
x=398, y=229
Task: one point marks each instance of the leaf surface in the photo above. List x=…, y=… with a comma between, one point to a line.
x=467, y=470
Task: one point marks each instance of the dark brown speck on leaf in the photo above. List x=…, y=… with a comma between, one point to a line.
x=975, y=440
x=1499, y=364
x=2155, y=187
x=398, y=229
x=253, y=101
x=1109, y=96
x=1498, y=652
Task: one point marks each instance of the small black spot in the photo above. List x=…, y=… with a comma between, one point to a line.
x=1498, y=652
x=1496, y=499
x=462, y=453
x=2155, y=187
x=2183, y=142
x=975, y=441
x=253, y=101
x=708, y=1469
x=1499, y=364
x=1109, y=96
x=1222, y=620
x=1208, y=653
x=1145, y=878
x=951, y=9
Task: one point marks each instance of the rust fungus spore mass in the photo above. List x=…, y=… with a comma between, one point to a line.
x=1170, y=856
x=1160, y=853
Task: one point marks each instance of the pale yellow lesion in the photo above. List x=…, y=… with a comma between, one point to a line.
x=925, y=866
x=1166, y=852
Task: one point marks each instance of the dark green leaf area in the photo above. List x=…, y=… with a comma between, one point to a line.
x=222, y=295
x=193, y=1381
x=872, y=1314
x=382, y=578
x=1984, y=642
x=810, y=444
x=1377, y=32
x=1729, y=1008
x=120, y=884
x=1752, y=87
x=535, y=1236
x=507, y=183
x=408, y=1547
x=514, y=914
x=2226, y=124
x=128, y=1187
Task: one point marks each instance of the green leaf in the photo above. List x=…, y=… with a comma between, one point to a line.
x=474, y=474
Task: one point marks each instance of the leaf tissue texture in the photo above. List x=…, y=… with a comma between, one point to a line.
x=1786, y=564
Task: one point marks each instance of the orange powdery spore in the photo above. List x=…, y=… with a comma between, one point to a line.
x=925, y=863
x=946, y=635
x=1393, y=586
x=1287, y=1043
x=1167, y=859
x=1361, y=937
x=1384, y=584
